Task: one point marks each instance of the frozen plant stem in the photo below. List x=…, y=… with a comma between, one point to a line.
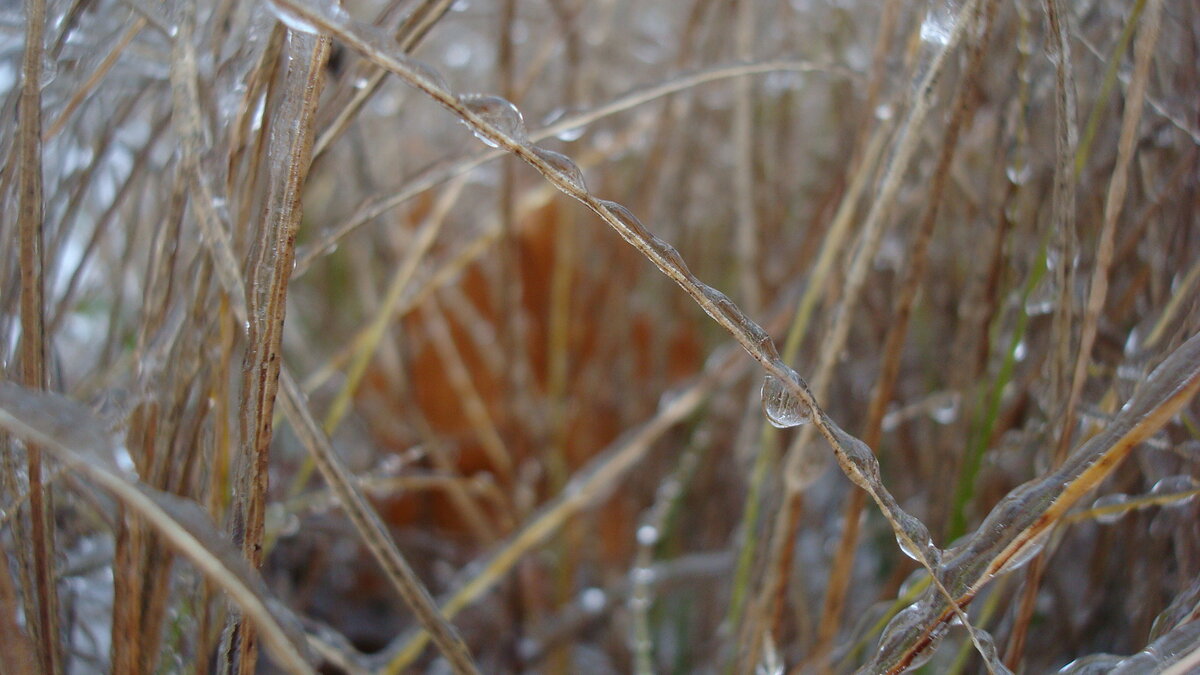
x=270, y=266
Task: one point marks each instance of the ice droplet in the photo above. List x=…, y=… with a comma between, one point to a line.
x=566, y=169
x=1019, y=172
x=725, y=309
x=946, y=411
x=49, y=71
x=782, y=408
x=938, y=24
x=1111, y=501
x=626, y=218
x=497, y=112
x=1027, y=552
x=987, y=649
x=125, y=461
x=1175, y=485
x=919, y=534
x=592, y=600
x=281, y=522
x=430, y=74
x=1043, y=298
x=569, y=134
x=670, y=254
x=391, y=465
x=642, y=575
x=861, y=457
x=903, y=628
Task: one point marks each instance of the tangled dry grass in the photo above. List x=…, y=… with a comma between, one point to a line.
x=293, y=362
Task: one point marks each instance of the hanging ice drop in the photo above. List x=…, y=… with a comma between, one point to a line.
x=782, y=408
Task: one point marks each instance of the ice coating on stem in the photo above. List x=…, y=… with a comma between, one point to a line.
x=1176, y=652
x=1017, y=527
x=330, y=11
x=906, y=627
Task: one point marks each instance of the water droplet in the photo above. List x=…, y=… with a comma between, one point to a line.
x=457, y=55
x=907, y=627
x=391, y=465
x=987, y=649
x=647, y=535
x=527, y=649
x=770, y=664
x=281, y=522
x=638, y=603
x=1133, y=343
x=1172, y=485
x=946, y=411
x=861, y=458
x=570, y=133
x=1019, y=172
x=782, y=408
x=938, y=24
x=726, y=311
x=432, y=78
x=919, y=534
x=642, y=575
x=49, y=71
x=124, y=460
x=1027, y=552
x=1043, y=298
x=290, y=526
x=592, y=600
x=562, y=165
x=1111, y=506
x=497, y=112
x=884, y=112
x=626, y=218
x=670, y=254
